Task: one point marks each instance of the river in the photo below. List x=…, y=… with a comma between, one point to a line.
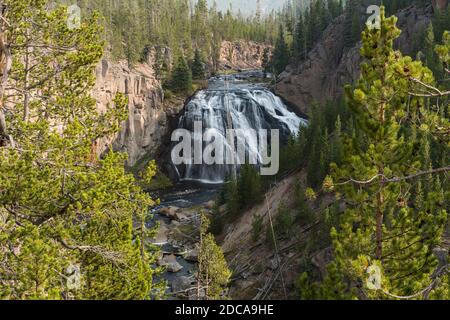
x=241, y=101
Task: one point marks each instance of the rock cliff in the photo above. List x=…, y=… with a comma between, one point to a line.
x=143, y=131
x=150, y=113
x=242, y=55
x=330, y=65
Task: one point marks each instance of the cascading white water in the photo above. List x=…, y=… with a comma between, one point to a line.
x=250, y=107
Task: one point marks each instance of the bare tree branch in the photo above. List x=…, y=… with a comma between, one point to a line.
x=385, y=179
x=437, y=92
x=112, y=256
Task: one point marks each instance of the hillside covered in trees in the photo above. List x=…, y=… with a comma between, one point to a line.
x=359, y=207
x=368, y=178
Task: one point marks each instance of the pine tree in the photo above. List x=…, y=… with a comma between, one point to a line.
x=300, y=49
x=431, y=58
x=266, y=60
x=280, y=57
x=381, y=227
x=337, y=152
x=249, y=186
x=181, y=77
x=65, y=235
x=198, y=71
x=213, y=273
x=352, y=26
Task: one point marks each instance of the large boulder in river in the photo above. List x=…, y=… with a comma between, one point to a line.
x=172, y=213
x=171, y=263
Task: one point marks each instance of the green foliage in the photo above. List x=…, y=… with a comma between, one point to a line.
x=213, y=272
x=266, y=60
x=241, y=193
x=317, y=145
x=62, y=207
x=181, y=81
x=284, y=222
x=249, y=186
x=132, y=27
x=280, y=58
x=257, y=227
x=381, y=224
x=352, y=23
x=303, y=212
x=198, y=70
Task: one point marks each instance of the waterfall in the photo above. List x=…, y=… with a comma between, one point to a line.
x=251, y=107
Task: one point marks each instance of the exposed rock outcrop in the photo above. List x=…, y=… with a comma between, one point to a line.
x=330, y=65
x=149, y=123
x=440, y=4
x=143, y=132
x=242, y=55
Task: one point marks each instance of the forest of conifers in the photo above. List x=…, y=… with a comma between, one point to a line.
x=380, y=152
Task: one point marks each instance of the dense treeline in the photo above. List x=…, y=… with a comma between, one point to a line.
x=303, y=22
x=383, y=152
x=134, y=26
x=392, y=225
x=393, y=204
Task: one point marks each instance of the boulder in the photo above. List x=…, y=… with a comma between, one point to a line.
x=171, y=263
x=169, y=212
x=210, y=205
x=181, y=284
x=191, y=255
x=162, y=236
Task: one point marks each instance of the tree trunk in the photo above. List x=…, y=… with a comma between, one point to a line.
x=5, y=67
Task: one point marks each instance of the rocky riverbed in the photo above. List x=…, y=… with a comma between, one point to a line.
x=178, y=217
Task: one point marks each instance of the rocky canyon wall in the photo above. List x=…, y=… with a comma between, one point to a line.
x=242, y=55
x=147, y=123
x=330, y=65
x=149, y=112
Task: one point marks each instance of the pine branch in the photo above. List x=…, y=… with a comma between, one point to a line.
x=112, y=256
x=437, y=92
x=395, y=179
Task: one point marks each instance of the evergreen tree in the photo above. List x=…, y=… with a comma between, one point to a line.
x=431, y=58
x=182, y=77
x=380, y=226
x=266, y=60
x=213, y=272
x=352, y=27
x=198, y=71
x=67, y=214
x=300, y=49
x=249, y=186
x=280, y=57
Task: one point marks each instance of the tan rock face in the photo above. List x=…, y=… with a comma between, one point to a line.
x=147, y=124
x=330, y=65
x=242, y=55
x=440, y=4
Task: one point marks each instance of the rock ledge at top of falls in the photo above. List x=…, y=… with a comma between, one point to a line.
x=242, y=55
x=330, y=65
